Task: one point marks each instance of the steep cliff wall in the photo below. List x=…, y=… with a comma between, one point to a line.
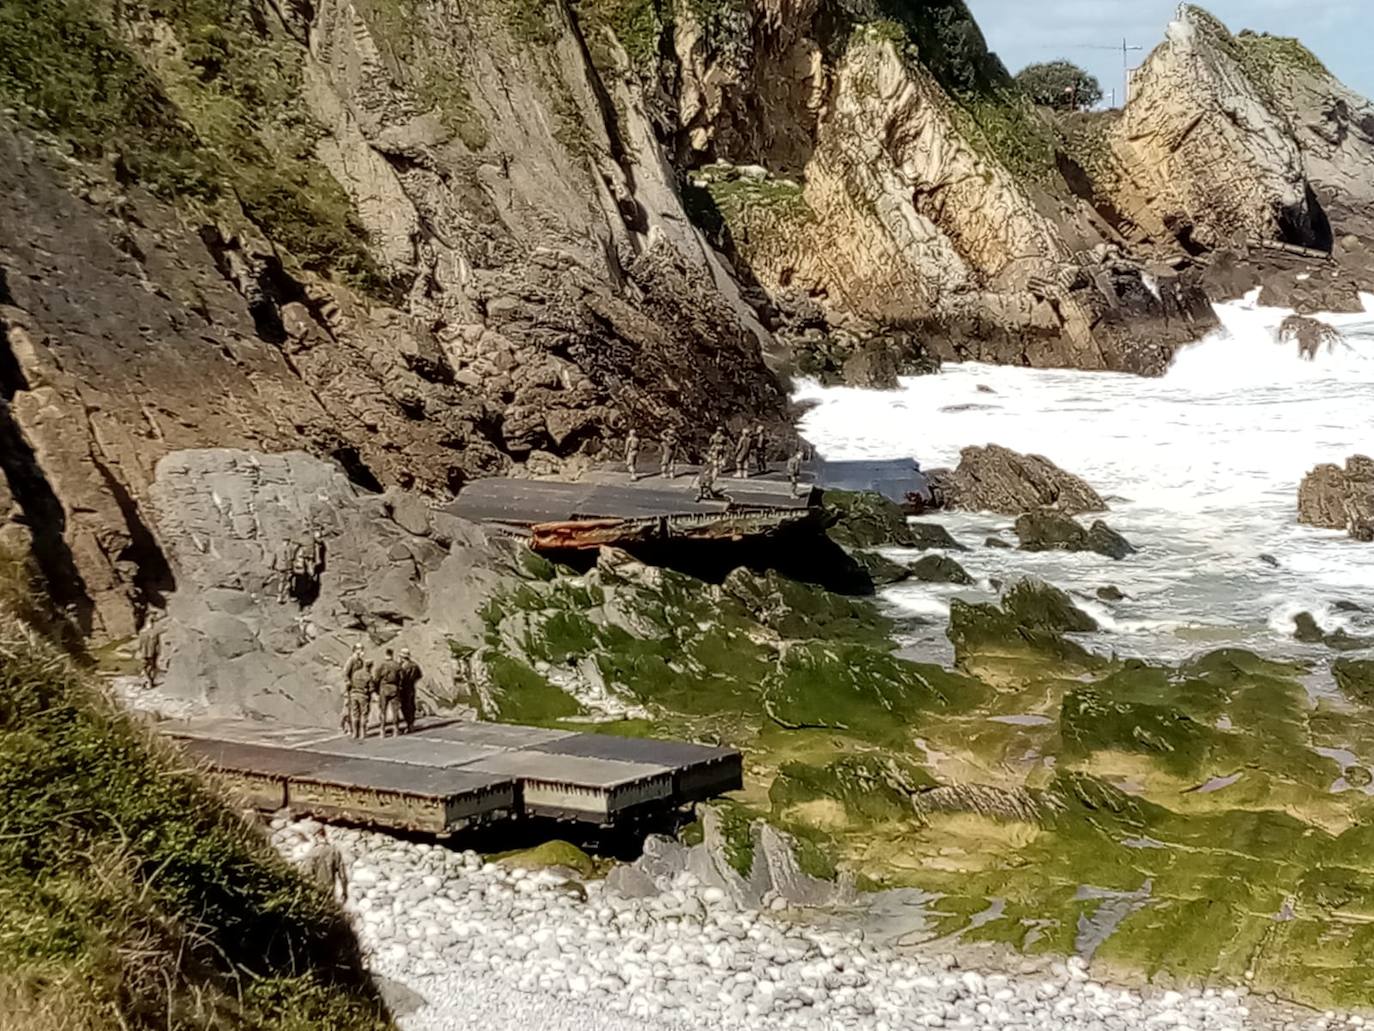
x=418, y=237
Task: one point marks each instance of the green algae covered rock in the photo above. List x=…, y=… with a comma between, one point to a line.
x=1356, y=678
x=1041, y=606
x=549, y=854
x=800, y=611
x=1092, y=721
x=881, y=570
x=940, y=569
x=866, y=519
x=1047, y=530
x=870, y=788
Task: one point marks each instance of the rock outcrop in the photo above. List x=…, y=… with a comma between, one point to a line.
x=997, y=479
x=1045, y=530
x=396, y=573
x=1340, y=499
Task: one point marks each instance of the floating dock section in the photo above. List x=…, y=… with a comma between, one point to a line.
x=450, y=775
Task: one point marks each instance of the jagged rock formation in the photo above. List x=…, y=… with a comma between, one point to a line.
x=1340, y=499
x=418, y=238
x=1309, y=335
x=1233, y=142
x=1045, y=530
x=997, y=479
x=396, y=574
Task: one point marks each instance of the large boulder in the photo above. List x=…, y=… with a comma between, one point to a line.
x=1340, y=499
x=866, y=519
x=1356, y=678
x=395, y=573
x=940, y=569
x=1047, y=530
x=997, y=479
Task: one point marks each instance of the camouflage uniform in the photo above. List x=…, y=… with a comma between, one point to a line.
x=410, y=677
x=150, y=648
x=632, y=454
x=742, y=448
x=324, y=864
x=760, y=448
x=282, y=565
x=361, y=686
x=794, y=465
x=706, y=483
x=388, y=676
x=668, y=454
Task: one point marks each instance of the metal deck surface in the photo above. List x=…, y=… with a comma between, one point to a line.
x=603, y=494
x=449, y=774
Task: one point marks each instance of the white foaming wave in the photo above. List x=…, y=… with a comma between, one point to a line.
x=1201, y=467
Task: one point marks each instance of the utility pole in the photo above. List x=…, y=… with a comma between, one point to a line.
x=1126, y=69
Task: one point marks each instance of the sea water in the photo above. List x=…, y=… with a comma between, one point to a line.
x=1200, y=468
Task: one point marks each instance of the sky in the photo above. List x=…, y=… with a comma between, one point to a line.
x=1339, y=32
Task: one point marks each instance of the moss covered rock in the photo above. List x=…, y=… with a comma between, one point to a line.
x=1053, y=531
x=940, y=569
x=550, y=854
x=1356, y=678
x=882, y=571
x=1041, y=606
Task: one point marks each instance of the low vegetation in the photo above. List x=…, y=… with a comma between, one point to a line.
x=131, y=896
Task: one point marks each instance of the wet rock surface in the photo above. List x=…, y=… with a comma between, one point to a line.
x=1052, y=531
x=997, y=479
x=1340, y=498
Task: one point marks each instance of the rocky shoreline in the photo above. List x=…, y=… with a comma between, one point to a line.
x=487, y=946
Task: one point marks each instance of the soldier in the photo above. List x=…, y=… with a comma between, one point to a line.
x=150, y=647
x=794, y=465
x=355, y=660
x=743, y=446
x=362, y=685
x=632, y=454
x=283, y=562
x=317, y=554
x=324, y=864
x=388, y=677
x=706, y=482
x=760, y=448
x=667, y=467
x=301, y=565
x=410, y=677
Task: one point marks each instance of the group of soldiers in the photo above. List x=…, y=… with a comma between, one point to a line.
x=297, y=566
x=392, y=681
x=750, y=453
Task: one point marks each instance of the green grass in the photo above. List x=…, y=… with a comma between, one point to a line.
x=215, y=120
x=131, y=896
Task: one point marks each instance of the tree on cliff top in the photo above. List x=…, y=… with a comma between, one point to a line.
x=1059, y=84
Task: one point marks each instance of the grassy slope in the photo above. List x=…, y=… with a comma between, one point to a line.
x=131, y=896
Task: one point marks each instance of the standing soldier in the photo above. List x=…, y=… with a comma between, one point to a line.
x=317, y=554
x=743, y=446
x=283, y=562
x=410, y=677
x=301, y=564
x=667, y=467
x=355, y=659
x=388, y=677
x=632, y=455
x=794, y=465
x=324, y=864
x=150, y=647
x=760, y=448
x=362, y=684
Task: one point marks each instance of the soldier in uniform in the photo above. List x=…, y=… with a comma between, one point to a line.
x=760, y=448
x=410, y=677
x=283, y=562
x=706, y=482
x=794, y=465
x=362, y=684
x=301, y=564
x=743, y=446
x=632, y=454
x=355, y=660
x=317, y=554
x=324, y=864
x=388, y=677
x=668, y=454
x=150, y=647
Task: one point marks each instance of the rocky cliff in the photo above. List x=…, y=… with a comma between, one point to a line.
x=435, y=239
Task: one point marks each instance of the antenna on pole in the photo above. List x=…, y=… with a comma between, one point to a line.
x=1126, y=47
